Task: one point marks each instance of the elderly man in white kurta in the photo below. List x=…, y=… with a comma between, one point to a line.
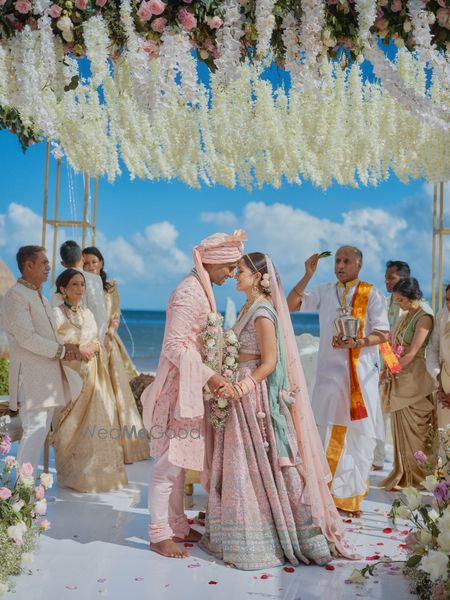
x=346, y=400
x=36, y=378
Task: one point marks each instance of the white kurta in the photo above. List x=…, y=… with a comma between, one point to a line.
x=331, y=395
x=349, y=444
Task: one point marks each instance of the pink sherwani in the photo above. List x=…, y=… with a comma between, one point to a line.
x=173, y=403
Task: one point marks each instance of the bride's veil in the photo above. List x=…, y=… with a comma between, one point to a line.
x=314, y=466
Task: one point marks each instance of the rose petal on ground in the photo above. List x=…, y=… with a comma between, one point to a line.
x=289, y=569
x=102, y=580
x=348, y=521
x=329, y=567
x=71, y=587
x=139, y=579
x=212, y=582
x=387, y=530
x=264, y=576
x=380, y=543
x=188, y=545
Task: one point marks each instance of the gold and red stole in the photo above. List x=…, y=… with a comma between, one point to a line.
x=360, y=302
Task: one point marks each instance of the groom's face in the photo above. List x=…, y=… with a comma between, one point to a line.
x=220, y=273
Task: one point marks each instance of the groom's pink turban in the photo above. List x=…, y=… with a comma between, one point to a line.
x=217, y=249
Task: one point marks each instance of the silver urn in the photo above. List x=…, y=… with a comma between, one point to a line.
x=346, y=325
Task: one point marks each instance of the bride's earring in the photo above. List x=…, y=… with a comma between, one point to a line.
x=255, y=291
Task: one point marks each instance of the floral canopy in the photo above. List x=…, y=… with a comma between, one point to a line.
x=287, y=96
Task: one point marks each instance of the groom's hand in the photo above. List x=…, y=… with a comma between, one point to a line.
x=216, y=382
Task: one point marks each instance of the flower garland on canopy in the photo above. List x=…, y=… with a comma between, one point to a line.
x=143, y=100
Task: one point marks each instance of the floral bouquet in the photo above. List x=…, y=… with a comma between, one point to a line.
x=22, y=506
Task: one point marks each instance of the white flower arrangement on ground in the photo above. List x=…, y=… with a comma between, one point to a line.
x=428, y=542
x=22, y=506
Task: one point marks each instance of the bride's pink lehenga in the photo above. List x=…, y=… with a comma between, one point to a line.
x=268, y=496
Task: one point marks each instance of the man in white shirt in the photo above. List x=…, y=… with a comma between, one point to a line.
x=346, y=400
x=438, y=360
x=37, y=381
x=72, y=258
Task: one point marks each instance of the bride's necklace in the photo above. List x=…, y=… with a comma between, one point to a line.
x=248, y=305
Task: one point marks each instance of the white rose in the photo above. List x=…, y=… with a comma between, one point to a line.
x=424, y=536
x=68, y=35
x=404, y=512
x=3, y=588
x=47, y=480
x=5, y=419
x=433, y=515
x=265, y=283
x=210, y=343
x=435, y=564
x=27, y=480
x=412, y=498
x=429, y=484
x=41, y=507
x=222, y=403
x=444, y=521
x=212, y=318
x=232, y=337
x=443, y=541
x=357, y=577
x=230, y=361
x=27, y=558
x=432, y=21
x=18, y=505
x=64, y=24
x=16, y=532
x=407, y=26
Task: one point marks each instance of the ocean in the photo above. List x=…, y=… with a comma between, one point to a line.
x=142, y=332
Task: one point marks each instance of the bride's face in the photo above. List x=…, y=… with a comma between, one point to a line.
x=245, y=278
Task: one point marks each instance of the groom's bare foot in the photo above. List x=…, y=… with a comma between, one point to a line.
x=357, y=514
x=169, y=548
x=192, y=536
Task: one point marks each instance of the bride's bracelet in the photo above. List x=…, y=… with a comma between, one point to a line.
x=247, y=385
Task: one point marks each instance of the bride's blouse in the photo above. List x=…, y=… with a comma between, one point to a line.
x=248, y=340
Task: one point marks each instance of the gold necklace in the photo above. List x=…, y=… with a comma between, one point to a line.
x=74, y=312
x=247, y=306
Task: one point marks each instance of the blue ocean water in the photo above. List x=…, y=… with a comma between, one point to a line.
x=142, y=332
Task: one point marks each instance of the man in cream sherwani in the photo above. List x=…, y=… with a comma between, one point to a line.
x=36, y=378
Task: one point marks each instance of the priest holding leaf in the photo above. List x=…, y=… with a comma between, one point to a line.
x=346, y=400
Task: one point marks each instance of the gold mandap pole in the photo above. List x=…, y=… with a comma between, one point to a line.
x=438, y=237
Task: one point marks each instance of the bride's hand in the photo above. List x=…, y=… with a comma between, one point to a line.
x=227, y=391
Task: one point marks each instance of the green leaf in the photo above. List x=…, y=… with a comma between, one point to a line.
x=73, y=83
x=413, y=560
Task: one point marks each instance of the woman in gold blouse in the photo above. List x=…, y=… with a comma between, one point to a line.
x=120, y=366
x=88, y=454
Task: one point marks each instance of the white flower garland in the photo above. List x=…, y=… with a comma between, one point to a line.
x=366, y=10
x=228, y=41
x=265, y=22
x=290, y=38
x=310, y=37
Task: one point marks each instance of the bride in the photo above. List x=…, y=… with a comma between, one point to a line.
x=268, y=499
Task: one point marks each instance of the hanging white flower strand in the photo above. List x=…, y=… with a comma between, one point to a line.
x=228, y=41
x=265, y=22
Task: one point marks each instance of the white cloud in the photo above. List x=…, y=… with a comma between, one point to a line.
x=223, y=218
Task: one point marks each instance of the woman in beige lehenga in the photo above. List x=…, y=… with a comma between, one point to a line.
x=408, y=395
x=88, y=454
x=120, y=366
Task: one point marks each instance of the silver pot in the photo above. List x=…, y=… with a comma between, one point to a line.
x=346, y=325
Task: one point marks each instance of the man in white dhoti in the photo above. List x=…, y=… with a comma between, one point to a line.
x=37, y=381
x=346, y=400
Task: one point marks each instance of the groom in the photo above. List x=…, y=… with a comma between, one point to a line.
x=173, y=403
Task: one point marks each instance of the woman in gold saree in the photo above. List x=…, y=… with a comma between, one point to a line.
x=408, y=395
x=120, y=367
x=88, y=451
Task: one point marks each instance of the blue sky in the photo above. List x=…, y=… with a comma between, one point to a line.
x=147, y=229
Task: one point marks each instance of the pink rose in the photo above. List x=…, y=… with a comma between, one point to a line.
x=81, y=4
x=151, y=47
x=157, y=7
x=159, y=24
x=44, y=525
x=232, y=350
x=215, y=22
x=55, y=11
x=443, y=17
x=227, y=373
x=441, y=3
x=2, y=2
x=39, y=492
x=215, y=52
x=381, y=24
x=396, y=6
x=144, y=12
x=187, y=19
x=5, y=493
x=100, y=3
x=10, y=462
x=187, y=1
x=26, y=469
x=5, y=445
x=22, y=6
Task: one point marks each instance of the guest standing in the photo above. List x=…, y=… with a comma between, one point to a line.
x=438, y=360
x=121, y=369
x=408, y=395
x=36, y=378
x=88, y=452
x=346, y=401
